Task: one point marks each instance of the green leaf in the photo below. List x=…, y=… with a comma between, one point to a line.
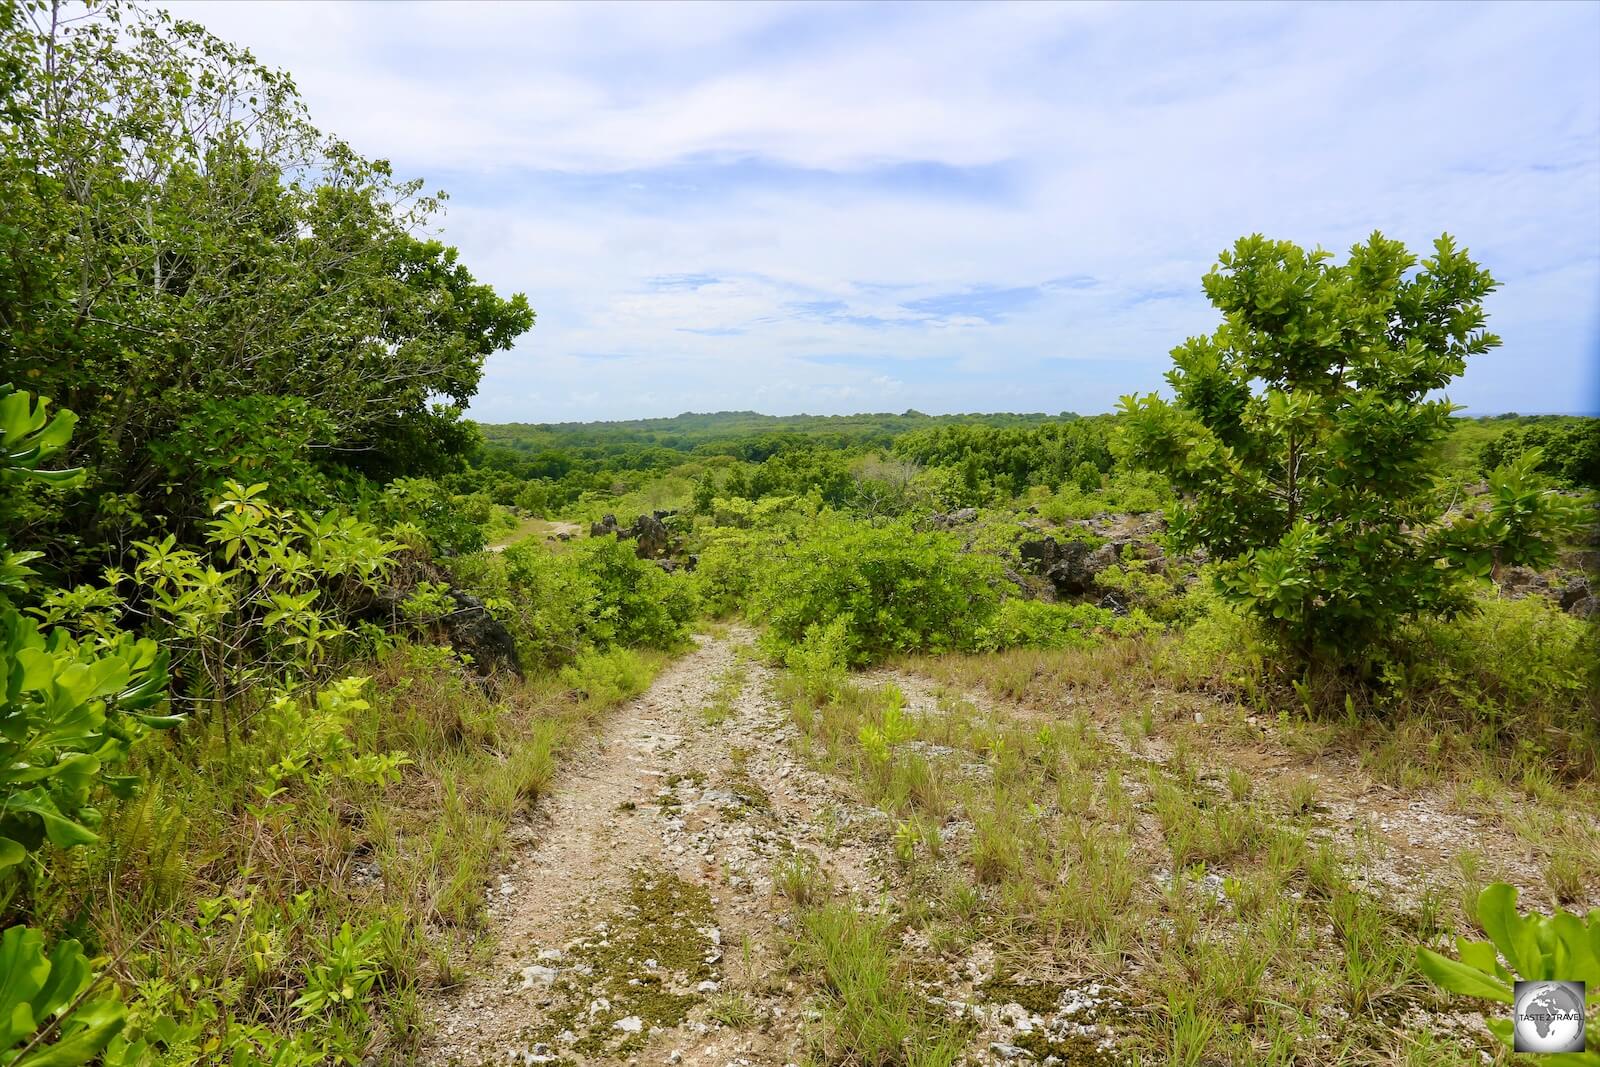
x=1457, y=977
x=1481, y=954
x=1497, y=911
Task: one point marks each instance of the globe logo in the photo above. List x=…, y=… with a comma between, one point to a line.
x=1548, y=1017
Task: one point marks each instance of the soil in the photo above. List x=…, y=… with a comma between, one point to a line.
x=637, y=920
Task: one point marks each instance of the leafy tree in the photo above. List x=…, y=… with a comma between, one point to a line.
x=705, y=494
x=185, y=260
x=1302, y=434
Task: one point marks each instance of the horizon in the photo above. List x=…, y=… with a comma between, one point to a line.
x=947, y=415
x=791, y=207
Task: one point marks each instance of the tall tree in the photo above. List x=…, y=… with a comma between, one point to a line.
x=214, y=285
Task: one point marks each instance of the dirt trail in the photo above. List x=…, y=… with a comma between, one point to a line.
x=638, y=922
x=640, y=903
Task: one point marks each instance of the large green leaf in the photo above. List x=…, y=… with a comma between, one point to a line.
x=1511, y=934
x=1457, y=977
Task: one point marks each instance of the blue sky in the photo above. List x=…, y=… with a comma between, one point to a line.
x=841, y=207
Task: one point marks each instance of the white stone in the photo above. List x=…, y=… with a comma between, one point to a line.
x=537, y=975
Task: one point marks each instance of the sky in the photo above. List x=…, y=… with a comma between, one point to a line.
x=834, y=208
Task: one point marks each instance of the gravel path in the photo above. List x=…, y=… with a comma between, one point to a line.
x=639, y=907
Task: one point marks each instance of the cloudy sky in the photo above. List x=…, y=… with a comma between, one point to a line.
x=839, y=207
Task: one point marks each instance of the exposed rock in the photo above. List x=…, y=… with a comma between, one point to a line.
x=471, y=629
x=1575, y=593
x=959, y=517
x=1070, y=566
x=651, y=534
x=467, y=626
x=606, y=527
x=1570, y=591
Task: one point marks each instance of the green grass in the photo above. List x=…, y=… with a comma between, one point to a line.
x=729, y=687
x=221, y=900
x=870, y=1011
x=1213, y=903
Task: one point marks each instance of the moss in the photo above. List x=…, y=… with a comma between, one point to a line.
x=694, y=778
x=750, y=794
x=663, y=919
x=1069, y=1051
x=1040, y=998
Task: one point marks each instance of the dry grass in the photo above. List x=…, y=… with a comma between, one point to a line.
x=1203, y=898
x=230, y=892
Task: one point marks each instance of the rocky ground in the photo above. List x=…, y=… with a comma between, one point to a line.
x=639, y=922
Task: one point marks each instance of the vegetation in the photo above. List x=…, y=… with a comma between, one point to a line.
x=272, y=706
x=1535, y=946
x=1301, y=436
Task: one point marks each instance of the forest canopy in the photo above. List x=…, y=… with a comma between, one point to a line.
x=216, y=287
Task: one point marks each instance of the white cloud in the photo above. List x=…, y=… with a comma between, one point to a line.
x=595, y=148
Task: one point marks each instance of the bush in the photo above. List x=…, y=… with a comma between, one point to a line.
x=1136, y=492
x=820, y=660
x=725, y=575
x=1570, y=450
x=897, y=589
x=630, y=601
x=598, y=595
x=453, y=524
x=1036, y=624
x=68, y=714
x=609, y=677
x=1522, y=669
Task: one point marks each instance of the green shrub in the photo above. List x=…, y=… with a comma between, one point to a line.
x=454, y=524
x=726, y=572
x=1087, y=477
x=68, y=715
x=820, y=660
x=1521, y=668
x=1135, y=492
x=1035, y=624
x=631, y=601
x=1569, y=450
x=1137, y=584
x=58, y=994
x=598, y=595
x=898, y=590
x=537, y=596
x=604, y=678
x=1221, y=647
